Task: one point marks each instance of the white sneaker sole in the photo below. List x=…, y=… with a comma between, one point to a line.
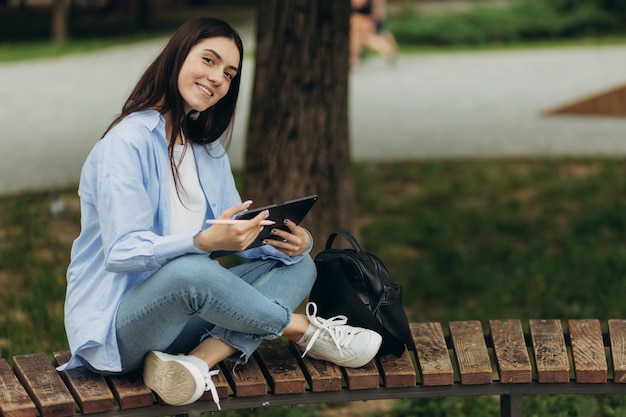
x=172, y=381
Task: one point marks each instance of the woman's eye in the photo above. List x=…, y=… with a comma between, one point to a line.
x=228, y=75
x=208, y=60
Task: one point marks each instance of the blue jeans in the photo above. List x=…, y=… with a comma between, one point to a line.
x=193, y=297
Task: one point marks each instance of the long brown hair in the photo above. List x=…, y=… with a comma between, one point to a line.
x=158, y=87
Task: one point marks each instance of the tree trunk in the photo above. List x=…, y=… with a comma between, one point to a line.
x=141, y=11
x=298, y=141
x=60, y=14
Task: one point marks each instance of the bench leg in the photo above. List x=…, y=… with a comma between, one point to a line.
x=511, y=405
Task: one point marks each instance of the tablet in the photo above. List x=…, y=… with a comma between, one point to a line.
x=294, y=210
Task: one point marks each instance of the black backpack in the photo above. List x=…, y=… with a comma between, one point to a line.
x=356, y=284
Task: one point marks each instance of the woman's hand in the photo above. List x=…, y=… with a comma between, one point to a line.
x=293, y=243
x=231, y=237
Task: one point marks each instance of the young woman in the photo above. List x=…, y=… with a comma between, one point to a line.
x=141, y=288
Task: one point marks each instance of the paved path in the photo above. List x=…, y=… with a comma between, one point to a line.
x=486, y=104
x=428, y=105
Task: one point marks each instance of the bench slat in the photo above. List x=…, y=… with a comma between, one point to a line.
x=90, y=390
x=277, y=364
x=365, y=377
x=432, y=352
x=44, y=385
x=284, y=373
x=588, y=351
x=247, y=380
x=130, y=391
x=14, y=400
x=617, y=334
x=471, y=352
x=398, y=372
x=550, y=351
x=512, y=357
x=322, y=376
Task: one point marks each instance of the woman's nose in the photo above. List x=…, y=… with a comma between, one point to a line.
x=215, y=76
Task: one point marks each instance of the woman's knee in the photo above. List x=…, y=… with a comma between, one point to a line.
x=192, y=268
x=306, y=273
x=309, y=271
x=189, y=264
x=190, y=275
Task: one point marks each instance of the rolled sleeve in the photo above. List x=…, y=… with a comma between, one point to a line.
x=168, y=247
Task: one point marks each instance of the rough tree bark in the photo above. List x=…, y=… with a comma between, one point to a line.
x=298, y=139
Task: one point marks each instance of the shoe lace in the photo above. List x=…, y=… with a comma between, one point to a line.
x=210, y=386
x=334, y=328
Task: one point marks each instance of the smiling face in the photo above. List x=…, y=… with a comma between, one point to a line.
x=207, y=72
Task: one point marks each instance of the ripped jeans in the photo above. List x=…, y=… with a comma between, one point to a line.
x=193, y=296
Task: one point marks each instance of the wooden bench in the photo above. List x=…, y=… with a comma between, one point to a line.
x=506, y=361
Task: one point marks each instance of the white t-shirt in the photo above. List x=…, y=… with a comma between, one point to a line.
x=189, y=204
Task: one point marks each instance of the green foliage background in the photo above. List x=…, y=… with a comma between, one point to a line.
x=523, y=21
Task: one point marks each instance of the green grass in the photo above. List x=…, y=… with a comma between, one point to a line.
x=525, y=239
x=28, y=50
x=33, y=258
x=603, y=41
x=468, y=240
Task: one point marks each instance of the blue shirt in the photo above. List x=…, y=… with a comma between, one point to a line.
x=125, y=220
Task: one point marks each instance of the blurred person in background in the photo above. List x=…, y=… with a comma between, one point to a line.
x=368, y=30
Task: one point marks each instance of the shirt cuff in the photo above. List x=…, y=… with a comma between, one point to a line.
x=172, y=246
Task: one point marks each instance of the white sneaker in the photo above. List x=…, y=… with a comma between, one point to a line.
x=335, y=341
x=178, y=379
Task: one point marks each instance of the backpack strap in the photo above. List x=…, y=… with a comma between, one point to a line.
x=355, y=304
x=346, y=235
